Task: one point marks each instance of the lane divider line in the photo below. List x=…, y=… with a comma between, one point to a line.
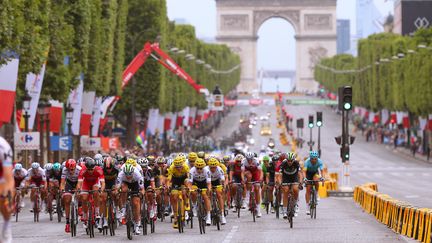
x=230, y=234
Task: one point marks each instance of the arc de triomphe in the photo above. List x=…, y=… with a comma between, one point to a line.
x=314, y=22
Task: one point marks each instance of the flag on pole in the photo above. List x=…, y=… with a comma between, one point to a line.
x=96, y=114
x=8, y=81
x=75, y=100
x=87, y=109
x=55, y=115
x=34, y=86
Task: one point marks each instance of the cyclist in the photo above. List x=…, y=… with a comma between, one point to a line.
x=177, y=178
x=91, y=177
x=54, y=178
x=6, y=186
x=217, y=181
x=69, y=181
x=160, y=173
x=253, y=173
x=192, y=157
x=36, y=178
x=236, y=175
x=131, y=179
x=149, y=185
x=199, y=177
x=19, y=175
x=201, y=154
x=290, y=169
x=268, y=171
x=110, y=173
x=133, y=162
x=313, y=170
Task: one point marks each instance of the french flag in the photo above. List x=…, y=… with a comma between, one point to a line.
x=87, y=109
x=8, y=81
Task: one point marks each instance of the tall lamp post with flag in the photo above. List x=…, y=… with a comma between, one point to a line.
x=69, y=115
x=26, y=107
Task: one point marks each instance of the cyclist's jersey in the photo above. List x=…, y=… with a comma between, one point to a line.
x=175, y=173
x=36, y=175
x=290, y=173
x=313, y=168
x=112, y=175
x=92, y=178
x=236, y=168
x=147, y=174
x=5, y=156
x=135, y=178
x=189, y=163
x=69, y=177
x=19, y=176
x=204, y=176
x=252, y=167
x=264, y=168
x=51, y=175
x=223, y=167
x=218, y=174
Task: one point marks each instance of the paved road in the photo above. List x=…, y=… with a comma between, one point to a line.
x=338, y=220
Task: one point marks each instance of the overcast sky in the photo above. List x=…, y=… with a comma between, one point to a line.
x=276, y=46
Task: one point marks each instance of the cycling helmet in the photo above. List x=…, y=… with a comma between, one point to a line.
x=313, y=154
x=35, y=165
x=131, y=161
x=178, y=162
x=143, y=162
x=199, y=163
x=201, y=154
x=291, y=156
x=161, y=160
x=89, y=163
x=120, y=158
x=266, y=158
x=275, y=158
x=98, y=157
x=239, y=157
x=250, y=155
x=70, y=164
x=18, y=166
x=128, y=169
x=226, y=158
x=192, y=156
x=56, y=166
x=48, y=166
x=151, y=159
x=213, y=162
x=283, y=156
x=80, y=160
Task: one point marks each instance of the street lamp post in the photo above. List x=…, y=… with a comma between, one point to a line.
x=69, y=115
x=40, y=110
x=47, y=121
x=26, y=107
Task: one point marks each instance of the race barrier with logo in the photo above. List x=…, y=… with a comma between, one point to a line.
x=402, y=217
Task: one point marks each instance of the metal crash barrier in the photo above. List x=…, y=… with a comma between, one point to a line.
x=402, y=217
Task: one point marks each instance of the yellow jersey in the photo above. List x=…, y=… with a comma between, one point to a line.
x=223, y=167
x=173, y=172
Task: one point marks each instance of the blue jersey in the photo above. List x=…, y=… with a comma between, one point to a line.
x=308, y=166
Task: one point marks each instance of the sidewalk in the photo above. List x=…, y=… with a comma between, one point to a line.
x=407, y=153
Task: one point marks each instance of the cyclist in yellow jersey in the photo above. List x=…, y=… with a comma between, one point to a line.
x=177, y=178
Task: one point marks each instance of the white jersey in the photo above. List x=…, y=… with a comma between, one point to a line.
x=217, y=175
x=69, y=176
x=136, y=177
x=6, y=154
x=19, y=174
x=138, y=167
x=194, y=175
x=38, y=174
x=251, y=166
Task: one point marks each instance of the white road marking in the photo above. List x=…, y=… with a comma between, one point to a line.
x=411, y=196
x=230, y=234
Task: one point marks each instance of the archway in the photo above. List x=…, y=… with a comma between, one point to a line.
x=276, y=57
x=314, y=22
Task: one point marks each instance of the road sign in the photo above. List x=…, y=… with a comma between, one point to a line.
x=61, y=143
x=311, y=102
x=26, y=141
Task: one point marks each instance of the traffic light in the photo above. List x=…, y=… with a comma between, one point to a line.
x=300, y=123
x=319, y=122
x=311, y=122
x=345, y=98
x=345, y=153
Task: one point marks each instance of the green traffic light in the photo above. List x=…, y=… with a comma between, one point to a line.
x=319, y=124
x=311, y=125
x=347, y=106
x=346, y=156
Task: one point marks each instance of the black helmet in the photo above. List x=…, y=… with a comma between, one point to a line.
x=89, y=163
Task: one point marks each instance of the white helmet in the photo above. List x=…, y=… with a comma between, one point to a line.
x=36, y=165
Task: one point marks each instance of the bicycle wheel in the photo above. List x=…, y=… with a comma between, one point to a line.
x=252, y=205
x=111, y=218
x=50, y=207
x=179, y=216
x=190, y=212
x=144, y=215
x=90, y=221
x=312, y=204
x=290, y=210
x=17, y=203
x=58, y=208
x=277, y=204
x=129, y=224
x=72, y=216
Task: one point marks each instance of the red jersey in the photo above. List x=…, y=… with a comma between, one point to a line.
x=236, y=168
x=97, y=174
